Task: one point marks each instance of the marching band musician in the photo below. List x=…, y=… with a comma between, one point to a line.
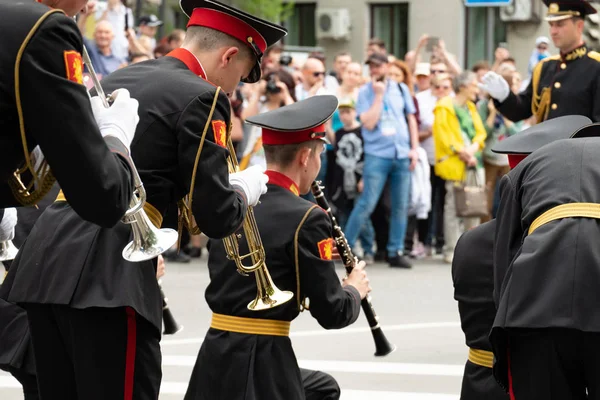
x=473, y=278
x=248, y=354
x=565, y=84
x=43, y=102
x=546, y=274
x=91, y=313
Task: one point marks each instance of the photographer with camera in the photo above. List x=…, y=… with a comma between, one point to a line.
x=275, y=90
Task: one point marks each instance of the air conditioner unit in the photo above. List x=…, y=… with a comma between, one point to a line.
x=521, y=11
x=333, y=23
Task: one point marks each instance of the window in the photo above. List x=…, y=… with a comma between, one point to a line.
x=485, y=31
x=389, y=22
x=301, y=26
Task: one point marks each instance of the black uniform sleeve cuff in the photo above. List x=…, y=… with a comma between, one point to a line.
x=241, y=192
x=116, y=146
x=356, y=295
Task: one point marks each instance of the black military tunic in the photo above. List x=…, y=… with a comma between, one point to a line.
x=241, y=366
x=56, y=113
x=560, y=85
x=88, y=269
x=548, y=279
x=473, y=277
x=67, y=261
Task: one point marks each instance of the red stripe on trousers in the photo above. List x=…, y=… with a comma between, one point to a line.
x=130, y=353
x=511, y=392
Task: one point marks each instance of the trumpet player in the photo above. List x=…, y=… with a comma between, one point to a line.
x=44, y=103
x=91, y=313
x=248, y=354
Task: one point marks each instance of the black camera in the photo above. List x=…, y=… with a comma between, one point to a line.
x=285, y=60
x=272, y=85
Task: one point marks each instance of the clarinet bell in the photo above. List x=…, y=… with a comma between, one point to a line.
x=171, y=326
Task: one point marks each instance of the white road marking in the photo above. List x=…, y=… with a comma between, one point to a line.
x=179, y=388
x=323, y=332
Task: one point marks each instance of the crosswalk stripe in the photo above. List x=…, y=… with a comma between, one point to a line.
x=367, y=367
x=179, y=388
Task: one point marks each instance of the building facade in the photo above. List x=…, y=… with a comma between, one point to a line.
x=470, y=33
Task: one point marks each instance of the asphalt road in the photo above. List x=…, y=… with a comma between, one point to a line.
x=417, y=312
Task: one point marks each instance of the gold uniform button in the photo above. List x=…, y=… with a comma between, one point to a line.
x=554, y=106
x=563, y=66
x=557, y=85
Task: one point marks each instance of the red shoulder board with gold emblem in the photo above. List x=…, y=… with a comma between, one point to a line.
x=325, y=248
x=220, y=133
x=74, y=66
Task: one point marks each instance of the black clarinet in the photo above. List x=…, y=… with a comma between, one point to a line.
x=171, y=326
x=382, y=346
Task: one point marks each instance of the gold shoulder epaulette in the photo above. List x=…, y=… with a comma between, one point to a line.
x=594, y=54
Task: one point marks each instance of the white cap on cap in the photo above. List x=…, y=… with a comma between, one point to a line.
x=542, y=39
x=422, y=69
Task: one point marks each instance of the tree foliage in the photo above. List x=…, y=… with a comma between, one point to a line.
x=271, y=10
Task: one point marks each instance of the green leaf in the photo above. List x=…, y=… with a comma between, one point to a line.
x=271, y=10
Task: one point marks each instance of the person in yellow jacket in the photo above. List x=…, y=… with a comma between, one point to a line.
x=459, y=136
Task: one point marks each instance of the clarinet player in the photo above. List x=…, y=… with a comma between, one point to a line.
x=297, y=238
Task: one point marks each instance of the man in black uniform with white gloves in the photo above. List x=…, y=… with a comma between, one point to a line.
x=565, y=84
x=92, y=314
x=44, y=103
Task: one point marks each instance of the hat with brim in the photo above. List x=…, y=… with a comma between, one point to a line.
x=254, y=32
x=347, y=103
x=150, y=20
x=377, y=59
x=423, y=69
x=559, y=10
x=517, y=147
x=298, y=122
x=531, y=139
x=592, y=130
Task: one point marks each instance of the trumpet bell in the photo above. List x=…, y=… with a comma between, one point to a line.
x=268, y=295
x=8, y=251
x=148, y=241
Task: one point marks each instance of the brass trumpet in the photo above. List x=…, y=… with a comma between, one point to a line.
x=268, y=295
x=148, y=241
x=8, y=251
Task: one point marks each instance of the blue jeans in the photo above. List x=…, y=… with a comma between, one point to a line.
x=377, y=171
x=367, y=234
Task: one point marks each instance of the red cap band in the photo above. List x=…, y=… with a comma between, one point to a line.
x=228, y=24
x=270, y=136
x=515, y=159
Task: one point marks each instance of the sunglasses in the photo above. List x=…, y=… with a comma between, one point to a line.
x=442, y=87
x=438, y=71
x=318, y=74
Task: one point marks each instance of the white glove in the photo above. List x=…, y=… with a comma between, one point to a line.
x=120, y=119
x=495, y=85
x=7, y=225
x=253, y=182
